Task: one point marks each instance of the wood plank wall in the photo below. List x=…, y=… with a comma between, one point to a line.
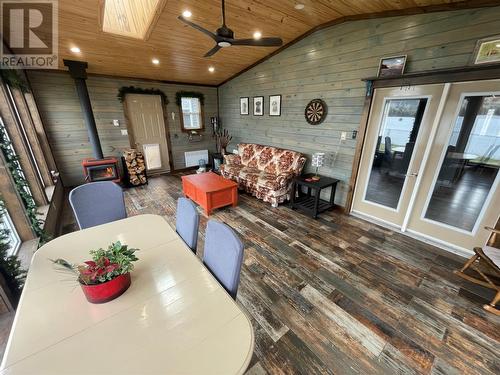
x=330, y=64
x=59, y=108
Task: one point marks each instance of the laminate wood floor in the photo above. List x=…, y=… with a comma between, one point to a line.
x=339, y=295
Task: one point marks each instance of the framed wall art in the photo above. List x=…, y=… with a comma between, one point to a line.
x=258, y=106
x=487, y=51
x=244, y=106
x=392, y=66
x=275, y=105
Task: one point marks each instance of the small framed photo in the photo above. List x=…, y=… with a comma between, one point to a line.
x=487, y=51
x=258, y=106
x=244, y=106
x=392, y=66
x=275, y=105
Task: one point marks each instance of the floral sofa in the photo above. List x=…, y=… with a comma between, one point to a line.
x=265, y=172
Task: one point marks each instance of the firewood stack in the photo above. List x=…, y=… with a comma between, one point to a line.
x=135, y=167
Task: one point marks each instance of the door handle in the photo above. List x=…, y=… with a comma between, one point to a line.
x=412, y=174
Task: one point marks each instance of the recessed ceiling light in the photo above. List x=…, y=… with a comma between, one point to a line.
x=299, y=6
x=155, y=61
x=187, y=14
x=75, y=49
x=257, y=35
x=211, y=69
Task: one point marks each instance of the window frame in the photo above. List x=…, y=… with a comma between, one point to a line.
x=201, y=114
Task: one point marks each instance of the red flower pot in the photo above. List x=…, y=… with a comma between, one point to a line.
x=100, y=293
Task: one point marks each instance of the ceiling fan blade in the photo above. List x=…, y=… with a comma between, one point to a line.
x=199, y=28
x=264, y=42
x=212, y=51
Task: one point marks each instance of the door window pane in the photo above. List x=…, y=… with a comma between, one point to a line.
x=470, y=165
x=398, y=133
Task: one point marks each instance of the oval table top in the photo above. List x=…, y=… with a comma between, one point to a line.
x=174, y=319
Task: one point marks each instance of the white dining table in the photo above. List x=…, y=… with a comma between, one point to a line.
x=174, y=319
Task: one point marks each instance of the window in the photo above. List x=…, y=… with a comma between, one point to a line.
x=192, y=114
x=24, y=135
x=8, y=229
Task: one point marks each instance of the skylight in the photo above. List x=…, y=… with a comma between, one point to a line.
x=131, y=18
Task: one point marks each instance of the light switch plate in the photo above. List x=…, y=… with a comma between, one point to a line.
x=124, y=132
x=116, y=122
x=343, y=136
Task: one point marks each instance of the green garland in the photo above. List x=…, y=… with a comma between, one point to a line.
x=138, y=90
x=22, y=186
x=10, y=265
x=188, y=94
x=12, y=78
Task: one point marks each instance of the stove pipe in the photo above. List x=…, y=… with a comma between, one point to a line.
x=77, y=70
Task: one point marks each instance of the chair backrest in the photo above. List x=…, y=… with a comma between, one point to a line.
x=388, y=146
x=97, y=203
x=186, y=222
x=223, y=255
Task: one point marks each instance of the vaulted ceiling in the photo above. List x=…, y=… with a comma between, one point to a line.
x=180, y=49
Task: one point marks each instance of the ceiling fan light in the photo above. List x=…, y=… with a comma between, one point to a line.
x=224, y=44
x=257, y=35
x=187, y=13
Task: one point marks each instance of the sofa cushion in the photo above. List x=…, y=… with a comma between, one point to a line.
x=268, y=180
x=249, y=174
x=232, y=170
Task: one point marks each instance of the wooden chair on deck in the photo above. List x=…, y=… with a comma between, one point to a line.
x=486, y=263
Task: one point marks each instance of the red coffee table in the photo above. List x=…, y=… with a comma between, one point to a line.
x=210, y=190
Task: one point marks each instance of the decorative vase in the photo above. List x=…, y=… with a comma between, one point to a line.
x=105, y=292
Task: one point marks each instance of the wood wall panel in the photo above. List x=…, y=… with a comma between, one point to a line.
x=330, y=64
x=60, y=110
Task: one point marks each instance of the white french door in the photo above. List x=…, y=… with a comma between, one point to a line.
x=441, y=183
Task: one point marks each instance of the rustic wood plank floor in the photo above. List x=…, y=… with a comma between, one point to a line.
x=339, y=295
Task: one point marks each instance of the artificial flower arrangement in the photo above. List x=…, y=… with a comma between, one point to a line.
x=107, y=275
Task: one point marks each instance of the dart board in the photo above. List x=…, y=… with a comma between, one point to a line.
x=316, y=111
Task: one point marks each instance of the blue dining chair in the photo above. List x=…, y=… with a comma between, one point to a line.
x=223, y=255
x=187, y=221
x=97, y=203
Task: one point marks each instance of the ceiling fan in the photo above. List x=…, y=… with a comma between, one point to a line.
x=224, y=36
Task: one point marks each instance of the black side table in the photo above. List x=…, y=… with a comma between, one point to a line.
x=312, y=205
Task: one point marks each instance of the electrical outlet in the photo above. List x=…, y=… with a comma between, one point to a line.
x=354, y=134
x=343, y=136
x=124, y=131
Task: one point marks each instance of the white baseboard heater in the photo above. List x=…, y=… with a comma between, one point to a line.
x=193, y=158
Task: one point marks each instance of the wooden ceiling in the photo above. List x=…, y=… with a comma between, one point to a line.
x=180, y=48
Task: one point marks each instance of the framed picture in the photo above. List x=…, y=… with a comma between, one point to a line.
x=258, y=106
x=392, y=66
x=275, y=105
x=487, y=51
x=244, y=106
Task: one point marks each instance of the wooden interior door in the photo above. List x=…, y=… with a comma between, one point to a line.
x=146, y=126
x=398, y=129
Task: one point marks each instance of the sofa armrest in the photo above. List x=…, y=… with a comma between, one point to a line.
x=300, y=165
x=284, y=179
x=232, y=159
